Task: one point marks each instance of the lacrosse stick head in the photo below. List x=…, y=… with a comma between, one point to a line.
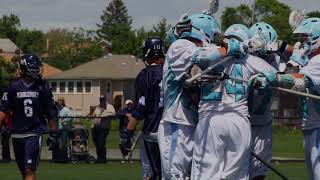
x=296, y=17
x=213, y=7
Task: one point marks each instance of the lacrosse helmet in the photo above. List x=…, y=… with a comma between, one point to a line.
x=269, y=33
x=152, y=48
x=204, y=28
x=30, y=65
x=311, y=28
x=238, y=31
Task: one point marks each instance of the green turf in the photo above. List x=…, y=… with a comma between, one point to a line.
x=117, y=171
x=286, y=143
x=50, y=171
x=293, y=171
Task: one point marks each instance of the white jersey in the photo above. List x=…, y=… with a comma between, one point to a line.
x=311, y=113
x=260, y=101
x=177, y=64
x=229, y=95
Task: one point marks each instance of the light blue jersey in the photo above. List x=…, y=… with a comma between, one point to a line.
x=311, y=107
x=178, y=63
x=181, y=56
x=230, y=95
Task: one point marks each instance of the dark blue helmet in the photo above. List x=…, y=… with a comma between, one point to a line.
x=153, y=48
x=30, y=65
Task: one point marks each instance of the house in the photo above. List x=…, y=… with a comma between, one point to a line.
x=8, y=49
x=111, y=75
x=49, y=70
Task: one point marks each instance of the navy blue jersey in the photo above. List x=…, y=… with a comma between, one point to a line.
x=148, y=98
x=30, y=104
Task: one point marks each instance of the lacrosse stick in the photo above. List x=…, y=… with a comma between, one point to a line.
x=296, y=17
x=298, y=93
x=133, y=146
x=213, y=7
x=269, y=166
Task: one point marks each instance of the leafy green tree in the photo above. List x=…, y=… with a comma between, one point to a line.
x=238, y=15
x=31, y=41
x=270, y=11
x=9, y=25
x=7, y=71
x=314, y=14
x=72, y=48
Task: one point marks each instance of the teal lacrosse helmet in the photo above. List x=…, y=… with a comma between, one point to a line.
x=238, y=31
x=204, y=28
x=311, y=28
x=268, y=32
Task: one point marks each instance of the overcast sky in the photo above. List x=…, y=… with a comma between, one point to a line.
x=46, y=14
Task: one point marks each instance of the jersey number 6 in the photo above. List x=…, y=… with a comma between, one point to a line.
x=28, y=111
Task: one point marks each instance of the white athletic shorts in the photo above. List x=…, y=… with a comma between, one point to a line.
x=176, y=145
x=312, y=152
x=222, y=147
x=262, y=146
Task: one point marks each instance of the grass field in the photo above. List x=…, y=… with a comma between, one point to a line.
x=117, y=171
x=287, y=143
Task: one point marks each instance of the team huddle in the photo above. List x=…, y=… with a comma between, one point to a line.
x=215, y=95
x=205, y=102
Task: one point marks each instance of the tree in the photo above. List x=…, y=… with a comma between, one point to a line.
x=31, y=41
x=9, y=25
x=239, y=15
x=269, y=11
x=161, y=28
x=72, y=48
x=7, y=71
x=115, y=14
x=314, y=14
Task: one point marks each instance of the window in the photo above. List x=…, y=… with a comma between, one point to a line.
x=70, y=87
x=87, y=86
x=79, y=87
x=53, y=86
x=62, y=86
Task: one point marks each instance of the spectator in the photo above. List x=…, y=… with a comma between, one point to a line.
x=122, y=115
x=64, y=126
x=100, y=128
x=6, y=128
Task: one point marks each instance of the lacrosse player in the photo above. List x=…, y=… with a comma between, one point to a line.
x=180, y=117
x=308, y=79
x=31, y=101
x=223, y=133
x=259, y=102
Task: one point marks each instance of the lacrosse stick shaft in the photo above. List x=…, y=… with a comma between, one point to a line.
x=269, y=166
x=298, y=93
x=134, y=145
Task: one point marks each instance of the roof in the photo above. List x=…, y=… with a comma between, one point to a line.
x=114, y=67
x=7, y=45
x=50, y=70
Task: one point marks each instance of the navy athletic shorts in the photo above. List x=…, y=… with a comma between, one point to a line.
x=27, y=152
